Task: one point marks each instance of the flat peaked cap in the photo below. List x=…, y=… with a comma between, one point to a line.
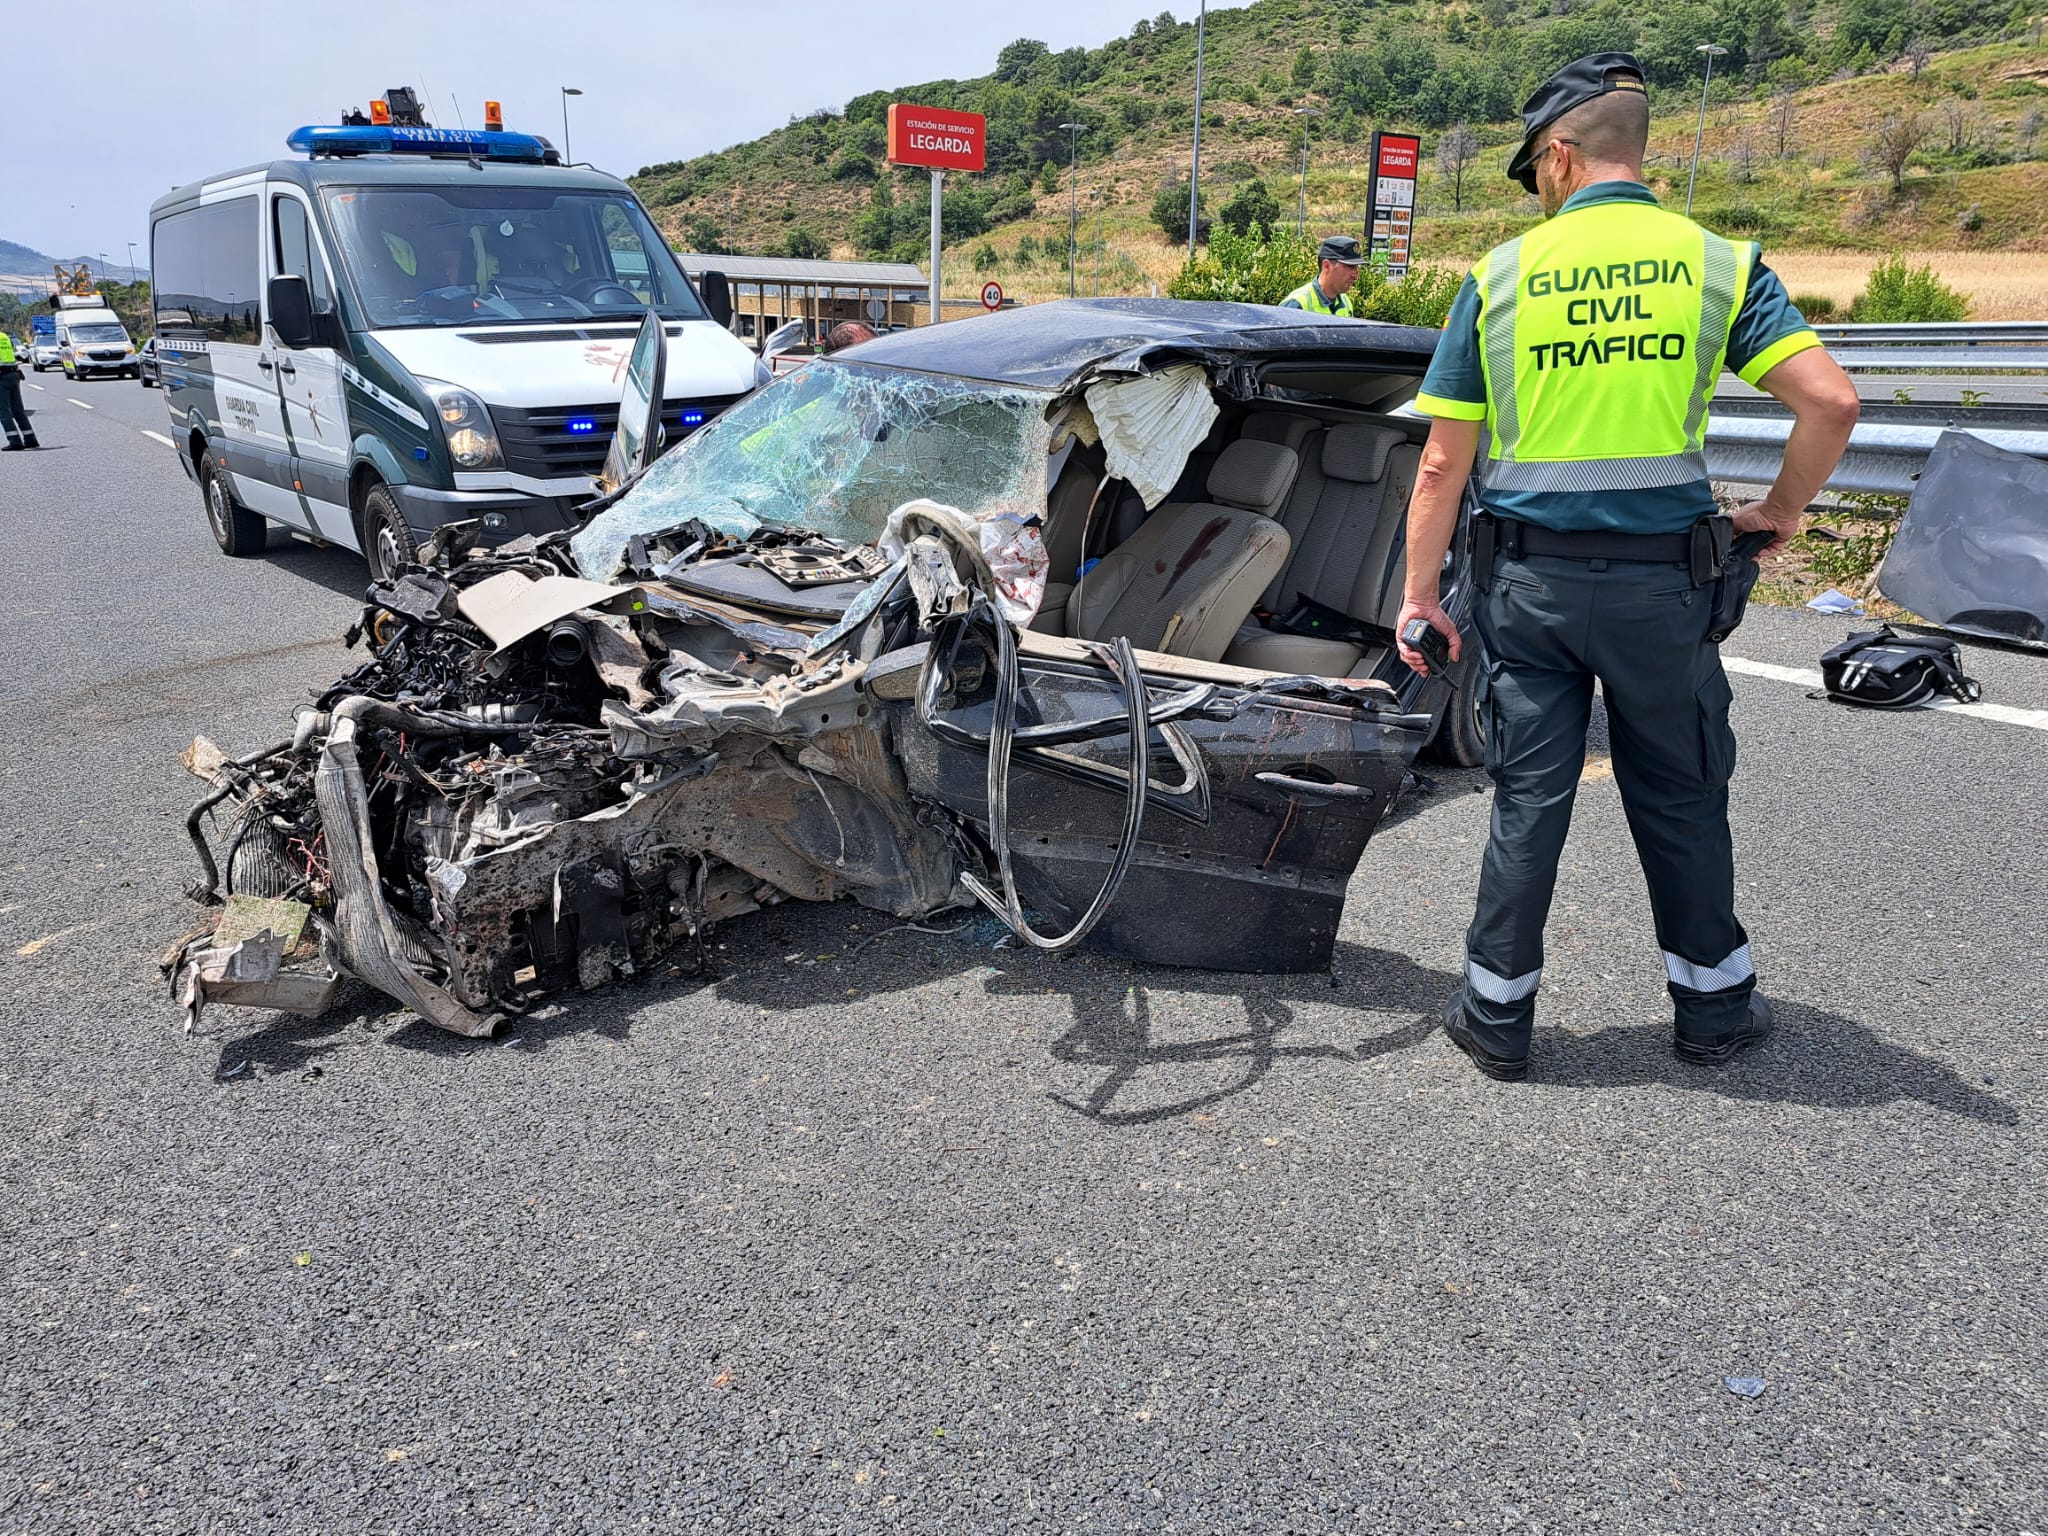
x=1577, y=83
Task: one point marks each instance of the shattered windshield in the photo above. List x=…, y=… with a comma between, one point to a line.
x=836, y=448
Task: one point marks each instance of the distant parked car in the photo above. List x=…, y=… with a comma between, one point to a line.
x=145, y=365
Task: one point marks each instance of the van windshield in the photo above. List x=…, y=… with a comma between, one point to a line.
x=499, y=255
x=96, y=333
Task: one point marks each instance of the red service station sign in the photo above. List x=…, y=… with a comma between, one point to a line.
x=1395, y=159
x=935, y=137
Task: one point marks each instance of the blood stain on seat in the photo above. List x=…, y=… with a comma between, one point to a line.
x=1199, y=548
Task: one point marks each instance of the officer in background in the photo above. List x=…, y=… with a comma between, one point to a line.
x=1337, y=262
x=1589, y=349
x=13, y=414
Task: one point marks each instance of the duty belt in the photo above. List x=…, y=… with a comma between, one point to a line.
x=1700, y=548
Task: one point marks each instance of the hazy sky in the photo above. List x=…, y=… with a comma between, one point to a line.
x=189, y=88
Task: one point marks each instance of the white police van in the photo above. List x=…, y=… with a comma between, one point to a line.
x=414, y=326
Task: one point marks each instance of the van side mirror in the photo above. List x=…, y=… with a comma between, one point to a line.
x=717, y=297
x=290, y=303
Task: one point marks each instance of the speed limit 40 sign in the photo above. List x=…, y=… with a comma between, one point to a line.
x=992, y=295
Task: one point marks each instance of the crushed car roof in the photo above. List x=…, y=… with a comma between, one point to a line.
x=1047, y=346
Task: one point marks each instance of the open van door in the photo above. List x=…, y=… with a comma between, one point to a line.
x=636, y=441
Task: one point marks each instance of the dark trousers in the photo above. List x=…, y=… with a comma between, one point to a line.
x=1552, y=627
x=13, y=415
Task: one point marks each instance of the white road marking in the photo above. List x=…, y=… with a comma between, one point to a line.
x=79, y=403
x=158, y=437
x=2004, y=714
x=36, y=387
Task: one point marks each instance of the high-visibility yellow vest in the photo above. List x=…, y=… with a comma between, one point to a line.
x=6, y=349
x=1602, y=335
x=1310, y=298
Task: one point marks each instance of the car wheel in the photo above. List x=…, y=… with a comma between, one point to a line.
x=147, y=383
x=239, y=532
x=1460, y=739
x=387, y=541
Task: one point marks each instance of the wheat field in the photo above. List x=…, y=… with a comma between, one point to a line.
x=2001, y=285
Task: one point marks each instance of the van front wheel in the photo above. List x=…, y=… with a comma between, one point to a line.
x=387, y=541
x=239, y=532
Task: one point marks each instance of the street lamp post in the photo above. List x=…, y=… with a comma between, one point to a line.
x=1195, y=171
x=1713, y=51
x=1096, y=193
x=1301, y=211
x=1073, y=132
x=131, y=261
x=567, y=92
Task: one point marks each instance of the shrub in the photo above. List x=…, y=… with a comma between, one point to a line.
x=1249, y=268
x=853, y=166
x=1250, y=204
x=1049, y=177
x=1422, y=298
x=985, y=258
x=805, y=245
x=1816, y=307
x=1898, y=293
x=1170, y=210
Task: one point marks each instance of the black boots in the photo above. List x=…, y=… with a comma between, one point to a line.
x=1725, y=1048
x=1714, y=1052
x=1498, y=1068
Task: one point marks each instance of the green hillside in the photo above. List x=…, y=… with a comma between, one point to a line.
x=1792, y=152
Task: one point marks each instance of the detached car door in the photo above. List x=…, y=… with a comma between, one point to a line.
x=1262, y=795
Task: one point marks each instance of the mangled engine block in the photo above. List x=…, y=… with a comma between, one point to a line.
x=540, y=782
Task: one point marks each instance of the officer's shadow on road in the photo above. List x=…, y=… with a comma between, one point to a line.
x=1815, y=1057
x=1124, y=1026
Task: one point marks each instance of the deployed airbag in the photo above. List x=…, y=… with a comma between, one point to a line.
x=1150, y=424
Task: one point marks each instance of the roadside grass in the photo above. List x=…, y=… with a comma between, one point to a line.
x=1841, y=547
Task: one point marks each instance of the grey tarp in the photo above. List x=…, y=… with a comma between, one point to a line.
x=1971, y=554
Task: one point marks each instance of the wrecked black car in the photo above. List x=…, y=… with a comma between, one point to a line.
x=1077, y=612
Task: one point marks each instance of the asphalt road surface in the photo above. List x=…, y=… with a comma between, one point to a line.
x=938, y=1236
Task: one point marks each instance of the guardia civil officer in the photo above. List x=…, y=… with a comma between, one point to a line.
x=1338, y=259
x=1588, y=349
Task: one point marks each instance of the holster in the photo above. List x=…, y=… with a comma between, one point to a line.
x=1736, y=581
x=1485, y=549
x=1711, y=538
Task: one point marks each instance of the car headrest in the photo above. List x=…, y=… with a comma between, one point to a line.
x=1256, y=476
x=1358, y=452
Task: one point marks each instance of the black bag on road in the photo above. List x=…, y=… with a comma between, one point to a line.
x=1887, y=670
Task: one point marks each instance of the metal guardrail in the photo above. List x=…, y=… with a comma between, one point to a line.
x=1940, y=347
x=1884, y=458
x=1745, y=438
x=1957, y=333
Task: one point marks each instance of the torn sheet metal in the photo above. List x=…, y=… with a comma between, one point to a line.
x=250, y=972
x=1005, y=553
x=512, y=605
x=1971, y=553
x=1150, y=424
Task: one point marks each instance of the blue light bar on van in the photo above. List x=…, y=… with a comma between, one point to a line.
x=693, y=418
x=383, y=139
x=582, y=424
